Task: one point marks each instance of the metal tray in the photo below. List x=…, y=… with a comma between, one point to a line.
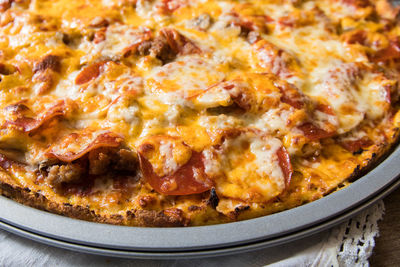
x=271, y=230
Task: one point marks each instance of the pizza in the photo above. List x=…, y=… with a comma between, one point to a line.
x=185, y=113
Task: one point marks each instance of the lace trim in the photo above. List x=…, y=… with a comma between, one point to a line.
x=355, y=239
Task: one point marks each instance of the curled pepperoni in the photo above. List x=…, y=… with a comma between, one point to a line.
x=356, y=37
x=355, y=146
x=188, y=179
x=285, y=164
x=291, y=95
x=274, y=59
x=288, y=21
x=27, y=124
x=313, y=132
x=325, y=109
x=89, y=73
x=390, y=52
x=5, y=4
x=241, y=96
x=141, y=47
x=178, y=43
x=63, y=153
x=357, y=3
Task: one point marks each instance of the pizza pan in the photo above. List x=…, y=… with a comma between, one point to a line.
x=203, y=240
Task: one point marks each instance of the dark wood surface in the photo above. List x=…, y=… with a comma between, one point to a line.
x=387, y=249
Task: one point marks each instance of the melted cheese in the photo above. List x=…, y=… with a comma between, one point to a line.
x=187, y=76
x=249, y=167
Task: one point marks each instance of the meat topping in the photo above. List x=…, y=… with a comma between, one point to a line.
x=52, y=62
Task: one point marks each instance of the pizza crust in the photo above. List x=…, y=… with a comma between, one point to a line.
x=37, y=200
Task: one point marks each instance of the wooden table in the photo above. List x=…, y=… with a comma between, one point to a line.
x=387, y=249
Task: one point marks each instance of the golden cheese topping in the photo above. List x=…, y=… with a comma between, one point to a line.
x=177, y=112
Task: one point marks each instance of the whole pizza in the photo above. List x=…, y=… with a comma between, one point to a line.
x=192, y=112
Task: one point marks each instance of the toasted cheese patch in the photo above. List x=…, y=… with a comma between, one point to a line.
x=187, y=76
x=248, y=168
x=166, y=154
x=340, y=87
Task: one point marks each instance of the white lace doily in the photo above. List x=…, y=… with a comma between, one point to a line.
x=349, y=244
x=356, y=239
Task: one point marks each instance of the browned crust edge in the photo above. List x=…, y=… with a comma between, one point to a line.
x=36, y=200
x=377, y=157
x=133, y=217
x=147, y=218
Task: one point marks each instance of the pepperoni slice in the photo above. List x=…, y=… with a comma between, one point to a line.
x=140, y=47
x=313, y=132
x=64, y=153
x=5, y=4
x=357, y=145
x=356, y=37
x=89, y=73
x=27, y=124
x=285, y=164
x=390, y=52
x=325, y=109
x=179, y=43
x=291, y=95
x=188, y=179
x=274, y=59
x=357, y=3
